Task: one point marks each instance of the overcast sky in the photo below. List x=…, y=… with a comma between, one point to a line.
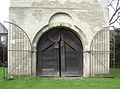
x=4, y=10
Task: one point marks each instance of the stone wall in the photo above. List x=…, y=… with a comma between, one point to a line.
x=89, y=13
x=88, y=16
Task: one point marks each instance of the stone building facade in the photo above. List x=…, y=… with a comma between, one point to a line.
x=80, y=21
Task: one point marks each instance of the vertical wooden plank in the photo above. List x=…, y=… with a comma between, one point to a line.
x=56, y=61
x=62, y=54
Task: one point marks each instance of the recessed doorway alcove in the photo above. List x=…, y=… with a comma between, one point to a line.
x=59, y=53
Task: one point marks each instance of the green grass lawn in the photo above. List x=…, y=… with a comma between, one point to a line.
x=53, y=83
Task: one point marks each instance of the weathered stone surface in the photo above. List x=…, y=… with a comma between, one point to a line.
x=85, y=17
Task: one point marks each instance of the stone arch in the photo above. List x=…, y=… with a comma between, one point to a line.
x=59, y=16
x=46, y=28
x=74, y=29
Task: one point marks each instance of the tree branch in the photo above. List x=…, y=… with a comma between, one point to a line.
x=114, y=15
x=117, y=4
x=115, y=20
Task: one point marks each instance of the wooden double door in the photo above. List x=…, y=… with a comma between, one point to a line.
x=59, y=53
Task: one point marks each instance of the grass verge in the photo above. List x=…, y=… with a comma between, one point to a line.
x=54, y=83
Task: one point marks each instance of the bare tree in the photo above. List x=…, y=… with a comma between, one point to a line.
x=114, y=15
x=114, y=10
x=114, y=22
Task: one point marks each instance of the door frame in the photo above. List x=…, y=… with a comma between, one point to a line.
x=78, y=32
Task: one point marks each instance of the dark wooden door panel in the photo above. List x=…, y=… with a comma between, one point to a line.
x=71, y=61
x=59, y=54
x=46, y=62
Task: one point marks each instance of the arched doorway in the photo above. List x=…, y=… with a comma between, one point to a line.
x=59, y=53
